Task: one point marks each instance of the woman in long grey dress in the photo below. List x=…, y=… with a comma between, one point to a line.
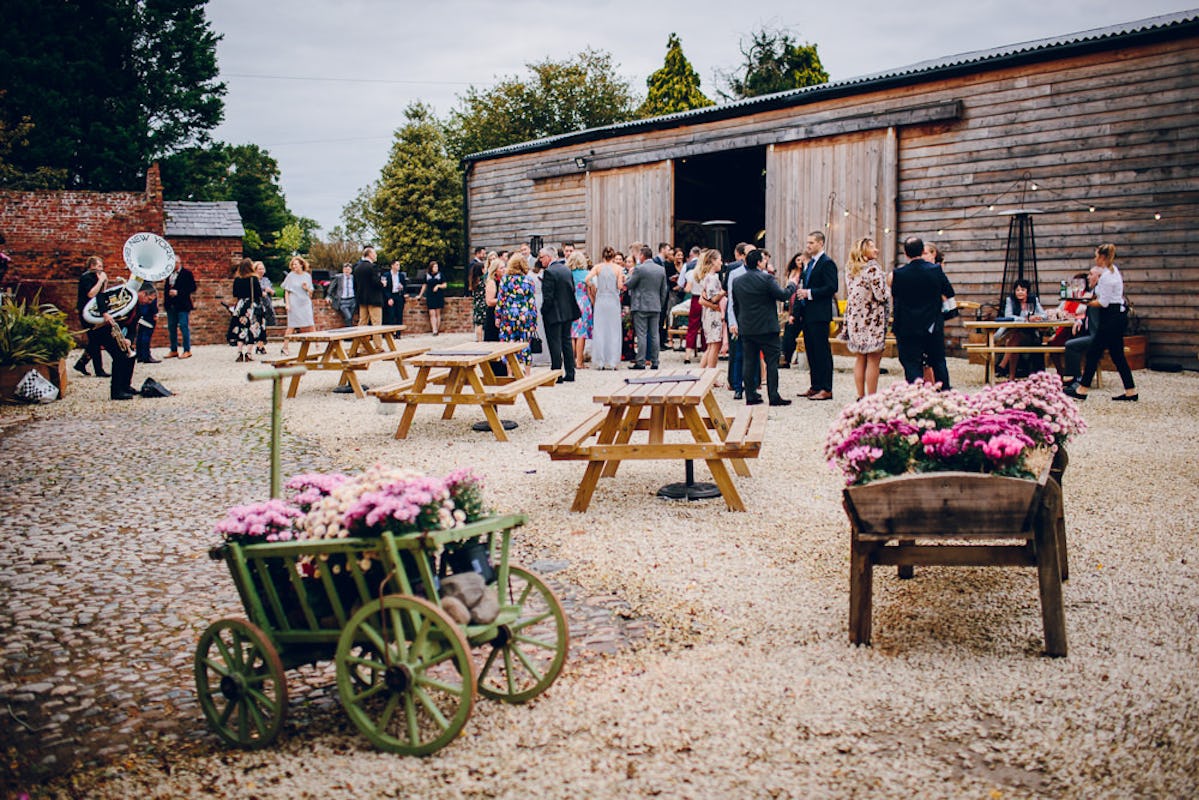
x=607, y=280
x=297, y=292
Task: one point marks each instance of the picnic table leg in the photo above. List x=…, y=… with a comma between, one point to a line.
x=453, y=387
x=724, y=481
x=350, y=376
x=591, y=476
x=493, y=419
x=906, y=571
x=418, y=386
x=861, y=590
x=627, y=426
x=1049, y=576
x=301, y=358
x=720, y=425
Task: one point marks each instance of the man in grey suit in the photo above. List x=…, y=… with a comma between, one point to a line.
x=340, y=293
x=647, y=295
x=558, y=309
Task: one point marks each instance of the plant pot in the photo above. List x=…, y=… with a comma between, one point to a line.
x=11, y=376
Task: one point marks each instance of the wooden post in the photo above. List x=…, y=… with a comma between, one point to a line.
x=1049, y=576
x=276, y=376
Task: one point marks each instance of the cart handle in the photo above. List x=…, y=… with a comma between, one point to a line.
x=276, y=376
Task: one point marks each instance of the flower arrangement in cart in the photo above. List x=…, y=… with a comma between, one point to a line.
x=1002, y=430
x=335, y=506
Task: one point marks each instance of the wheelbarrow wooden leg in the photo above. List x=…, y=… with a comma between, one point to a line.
x=1049, y=576
x=861, y=591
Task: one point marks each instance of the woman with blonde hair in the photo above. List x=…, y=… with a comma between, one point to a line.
x=1113, y=319
x=867, y=298
x=297, y=297
x=707, y=279
x=581, y=328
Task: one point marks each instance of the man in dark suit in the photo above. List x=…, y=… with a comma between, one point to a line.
x=368, y=289
x=756, y=299
x=916, y=290
x=558, y=310
x=729, y=274
x=816, y=308
x=647, y=294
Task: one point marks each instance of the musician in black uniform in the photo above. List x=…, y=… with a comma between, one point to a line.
x=91, y=282
x=101, y=336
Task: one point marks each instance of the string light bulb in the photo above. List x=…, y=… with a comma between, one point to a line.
x=886, y=230
x=1035, y=187
x=1157, y=216
x=1091, y=209
x=990, y=208
x=846, y=212
x=941, y=232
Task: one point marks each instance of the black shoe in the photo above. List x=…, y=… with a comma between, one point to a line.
x=123, y=396
x=780, y=401
x=568, y=378
x=150, y=360
x=81, y=366
x=753, y=401
x=636, y=366
x=102, y=374
x=737, y=395
x=1127, y=398
x=560, y=379
x=653, y=366
x=1071, y=391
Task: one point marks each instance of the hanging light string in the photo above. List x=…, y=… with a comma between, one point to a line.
x=1025, y=184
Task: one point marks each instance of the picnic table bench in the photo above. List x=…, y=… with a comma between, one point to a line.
x=668, y=400
x=348, y=351
x=465, y=376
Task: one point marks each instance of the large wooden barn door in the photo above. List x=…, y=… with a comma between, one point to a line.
x=627, y=205
x=811, y=184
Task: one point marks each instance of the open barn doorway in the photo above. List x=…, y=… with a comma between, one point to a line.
x=728, y=186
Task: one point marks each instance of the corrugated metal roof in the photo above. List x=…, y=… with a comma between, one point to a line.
x=1039, y=49
x=185, y=218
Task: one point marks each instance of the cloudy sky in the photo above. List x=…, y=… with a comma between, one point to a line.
x=322, y=84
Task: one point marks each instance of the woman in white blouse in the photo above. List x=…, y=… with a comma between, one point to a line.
x=1113, y=317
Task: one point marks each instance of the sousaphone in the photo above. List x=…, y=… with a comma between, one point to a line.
x=149, y=257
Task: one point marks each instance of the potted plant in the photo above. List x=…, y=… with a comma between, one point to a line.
x=32, y=336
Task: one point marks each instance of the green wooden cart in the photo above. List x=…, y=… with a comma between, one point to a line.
x=407, y=674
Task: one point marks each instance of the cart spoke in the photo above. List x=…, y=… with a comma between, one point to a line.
x=261, y=700
x=227, y=712
x=529, y=640
x=508, y=670
x=410, y=712
x=524, y=659
x=220, y=669
x=388, y=711
x=433, y=683
x=426, y=701
x=368, y=692
x=219, y=643
x=525, y=622
x=260, y=724
x=421, y=641
x=397, y=632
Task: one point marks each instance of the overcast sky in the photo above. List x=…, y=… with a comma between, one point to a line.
x=323, y=84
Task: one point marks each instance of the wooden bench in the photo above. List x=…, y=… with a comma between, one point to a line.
x=507, y=392
x=746, y=432
x=282, y=361
x=569, y=446
x=391, y=393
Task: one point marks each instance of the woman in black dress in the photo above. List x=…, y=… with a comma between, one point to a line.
x=434, y=293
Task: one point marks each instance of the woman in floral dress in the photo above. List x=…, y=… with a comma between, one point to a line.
x=581, y=328
x=516, y=305
x=867, y=299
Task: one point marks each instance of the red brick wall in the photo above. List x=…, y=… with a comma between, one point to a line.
x=51, y=234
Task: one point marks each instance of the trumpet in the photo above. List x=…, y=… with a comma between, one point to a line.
x=119, y=337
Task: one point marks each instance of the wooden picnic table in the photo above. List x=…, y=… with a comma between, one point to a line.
x=657, y=402
x=347, y=350
x=991, y=350
x=463, y=375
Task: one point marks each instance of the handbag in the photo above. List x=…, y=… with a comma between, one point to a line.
x=535, y=344
x=35, y=388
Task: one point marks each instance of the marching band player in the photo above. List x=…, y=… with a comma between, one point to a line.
x=107, y=335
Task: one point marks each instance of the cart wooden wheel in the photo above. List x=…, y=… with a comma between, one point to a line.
x=241, y=685
x=405, y=675
x=526, y=655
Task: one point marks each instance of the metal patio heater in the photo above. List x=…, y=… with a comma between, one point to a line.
x=1021, y=258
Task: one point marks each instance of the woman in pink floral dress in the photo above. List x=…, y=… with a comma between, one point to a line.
x=868, y=298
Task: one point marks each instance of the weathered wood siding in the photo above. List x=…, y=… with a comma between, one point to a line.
x=631, y=204
x=1114, y=130
x=843, y=186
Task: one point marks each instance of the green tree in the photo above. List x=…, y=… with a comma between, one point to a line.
x=12, y=139
x=774, y=62
x=332, y=252
x=418, y=200
x=359, y=221
x=248, y=175
x=557, y=97
x=674, y=87
x=108, y=85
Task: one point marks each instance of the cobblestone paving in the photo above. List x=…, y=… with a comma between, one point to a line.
x=106, y=584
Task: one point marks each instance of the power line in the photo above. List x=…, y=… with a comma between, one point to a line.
x=340, y=80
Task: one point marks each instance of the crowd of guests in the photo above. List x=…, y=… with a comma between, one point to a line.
x=567, y=307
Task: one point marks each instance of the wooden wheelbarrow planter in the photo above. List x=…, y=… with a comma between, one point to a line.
x=960, y=519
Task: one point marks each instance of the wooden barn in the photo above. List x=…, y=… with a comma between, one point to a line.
x=1097, y=130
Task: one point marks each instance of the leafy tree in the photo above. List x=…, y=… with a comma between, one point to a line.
x=331, y=253
x=417, y=202
x=557, y=97
x=248, y=175
x=674, y=87
x=13, y=177
x=359, y=218
x=774, y=62
x=108, y=85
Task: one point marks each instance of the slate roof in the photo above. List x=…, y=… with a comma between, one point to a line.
x=1154, y=28
x=185, y=218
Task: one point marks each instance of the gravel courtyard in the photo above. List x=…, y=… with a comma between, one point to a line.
x=710, y=655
